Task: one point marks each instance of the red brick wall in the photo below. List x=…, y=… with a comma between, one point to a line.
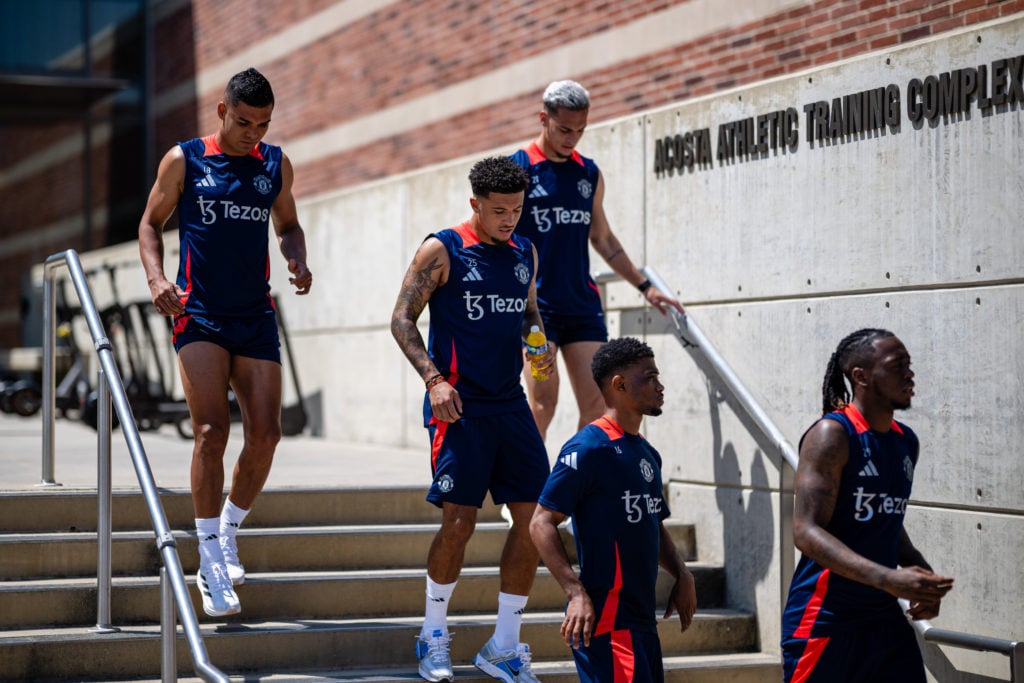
x=412, y=48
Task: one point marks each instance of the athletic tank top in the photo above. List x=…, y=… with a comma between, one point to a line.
x=224, y=214
x=874, y=489
x=556, y=217
x=476, y=321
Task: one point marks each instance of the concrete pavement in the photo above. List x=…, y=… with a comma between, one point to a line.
x=301, y=461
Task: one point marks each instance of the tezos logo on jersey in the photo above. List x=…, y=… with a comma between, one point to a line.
x=647, y=470
x=522, y=273
x=585, y=188
x=212, y=209
x=637, y=503
x=556, y=215
x=479, y=304
x=866, y=505
x=262, y=184
x=445, y=483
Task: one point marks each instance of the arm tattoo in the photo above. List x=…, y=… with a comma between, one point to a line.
x=417, y=288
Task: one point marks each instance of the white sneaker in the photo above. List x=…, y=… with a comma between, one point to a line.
x=505, y=665
x=526, y=674
x=229, y=546
x=219, y=597
x=434, y=655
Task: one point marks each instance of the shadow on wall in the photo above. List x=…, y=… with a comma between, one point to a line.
x=748, y=522
x=939, y=666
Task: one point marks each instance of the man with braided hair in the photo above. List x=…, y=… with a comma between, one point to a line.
x=842, y=621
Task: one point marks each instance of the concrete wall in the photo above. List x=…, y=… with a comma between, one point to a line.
x=777, y=255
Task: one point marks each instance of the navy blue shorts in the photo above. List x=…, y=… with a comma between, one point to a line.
x=883, y=650
x=253, y=337
x=565, y=329
x=623, y=655
x=503, y=454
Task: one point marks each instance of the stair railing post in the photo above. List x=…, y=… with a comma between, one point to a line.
x=168, y=631
x=49, y=374
x=104, y=523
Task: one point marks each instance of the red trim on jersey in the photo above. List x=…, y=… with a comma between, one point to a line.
x=211, y=148
x=470, y=238
x=813, y=606
x=536, y=155
x=611, y=603
x=809, y=659
x=609, y=427
x=623, y=657
x=188, y=275
x=435, y=445
x=593, y=286
x=453, y=370
x=468, y=235
x=859, y=423
x=180, y=323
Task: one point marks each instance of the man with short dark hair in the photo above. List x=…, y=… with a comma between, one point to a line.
x=226, y=188
x=564, y=216
x=608, y=479
x=478, y=281
x=842, y=621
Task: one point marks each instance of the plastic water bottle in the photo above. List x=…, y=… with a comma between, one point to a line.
x=536, y=346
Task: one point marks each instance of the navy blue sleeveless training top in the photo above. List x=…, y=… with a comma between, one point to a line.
x=476, y=321
x=873, y=492
x=556, y=217
x=224, y=214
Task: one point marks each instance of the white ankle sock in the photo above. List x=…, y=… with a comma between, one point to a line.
x=438, y=597
x=207, y=533
x=510, y=617
x=231, y=517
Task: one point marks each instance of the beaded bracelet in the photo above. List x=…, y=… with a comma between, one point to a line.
x=434, y=381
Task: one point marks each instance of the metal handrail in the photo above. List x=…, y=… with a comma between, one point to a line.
x=698, y=345
x=111, y=377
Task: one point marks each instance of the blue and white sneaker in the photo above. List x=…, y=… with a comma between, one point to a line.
x=434, y=655
x=526, y=674
x=505, y=665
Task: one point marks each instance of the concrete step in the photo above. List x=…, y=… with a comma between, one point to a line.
x=747, y=667
x=306, y=548
x=298, y=595
x=323, y=645
x=76, y=510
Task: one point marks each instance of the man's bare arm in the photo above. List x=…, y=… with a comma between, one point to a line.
x=427, y=272
x=611, y=250
x=580, y=617
x=823, y=454
x=290, y=236
x=162, y=201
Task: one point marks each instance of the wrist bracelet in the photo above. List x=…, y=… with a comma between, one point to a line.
x=434, y=381
x=644, y=286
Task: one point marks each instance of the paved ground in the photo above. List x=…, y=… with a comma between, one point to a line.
x=300, y=460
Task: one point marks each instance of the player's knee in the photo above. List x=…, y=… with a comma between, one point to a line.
x=264, y=438
x=458, y=528
x=211, y=439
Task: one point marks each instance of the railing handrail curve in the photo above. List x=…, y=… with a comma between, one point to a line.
x=164, y=538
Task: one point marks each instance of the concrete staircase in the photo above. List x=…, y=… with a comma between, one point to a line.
x=334, y=593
